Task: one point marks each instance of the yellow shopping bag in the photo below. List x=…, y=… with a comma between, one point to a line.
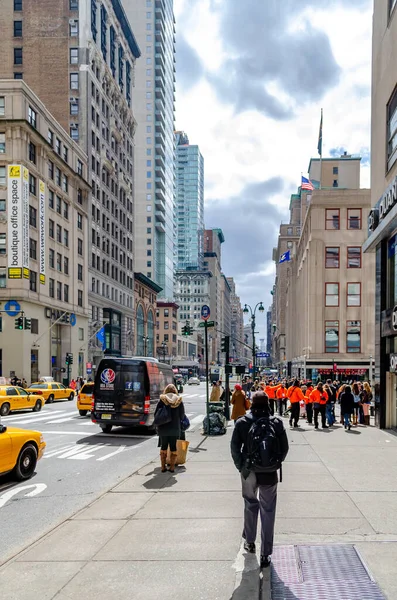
x=181, y=448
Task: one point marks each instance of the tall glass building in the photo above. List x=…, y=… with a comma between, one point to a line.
x=154, y=106
x=189, y=204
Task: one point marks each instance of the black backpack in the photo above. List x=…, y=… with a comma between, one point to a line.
x=263, y=446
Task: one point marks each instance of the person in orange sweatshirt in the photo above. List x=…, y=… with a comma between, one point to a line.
x=309, y=403
x=281, y=396
x=295, y=395
x=271, y=391
x=319, y=397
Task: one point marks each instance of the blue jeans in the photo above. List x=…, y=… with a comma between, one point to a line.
x=346, y=418
x=329, y=415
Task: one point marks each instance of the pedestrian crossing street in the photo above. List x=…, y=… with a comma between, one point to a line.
x=78, y=448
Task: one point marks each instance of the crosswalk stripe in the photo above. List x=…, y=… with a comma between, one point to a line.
x=62, y=420
x=27, y=421
x=197, y=420
x=19, y=417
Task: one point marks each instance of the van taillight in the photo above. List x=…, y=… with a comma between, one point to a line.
x=92, y=402
x=146, y=409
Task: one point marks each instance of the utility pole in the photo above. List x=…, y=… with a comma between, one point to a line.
x=207, y=375
x=227, y=379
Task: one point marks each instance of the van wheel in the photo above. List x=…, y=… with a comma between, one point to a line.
x=4, y=409
x=50, y=399
x=71, y=396
x=106, y=428
x=38, y=406
x=83, y=413
x=26, y=463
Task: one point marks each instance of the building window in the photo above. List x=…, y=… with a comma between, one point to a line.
x=103, y=32
x=335, y=170
x=354, y=218
x=79, y=167
x=2, y=205
x=335, y=183
x=58, y=146
x=32, y=152
x=51, y=170
x=113, y=50
x=32, y=216
x=2, y=175
x=65, y=153
x=51, y=228
x=74, y=81
x=353, y=336
x=74, y=132
x=17, y=5
x=17, y=28
x=66, y=293
x=17, y=56
x=73, y=4
x=80, y=247
x=80, y=272
x=32, y=117
x=354, y=294
x=66, y=265
x=59, y=262
x=332, y=257
x=2, y=143
x=81, y=334
x=58, y=176
x=392, y=125
x=354, y=257
x=65, y=210
x=2, y=243
x=66, y=238
x=2, y=106
x=79, y=298
x=59, y=234
x=65, y=183
x=51, y=258
x=32, y=184
x=79, y=220
x=50, y=138
x=74, y=28
x=289, y=244
x=74, y=106
x=59, y=290
x=51, y=199
x=392, y=4
x=59, y=205
x=332, y=294
x=51, y=288
x=332, y=218
x=32, y=248
x=18, y=75
x=93, y=20
x=331, y=337
x=290, y=231
x=74, y=56
x=3, y=277
x=33, y=281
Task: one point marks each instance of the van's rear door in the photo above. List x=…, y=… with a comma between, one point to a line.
x=120, y=388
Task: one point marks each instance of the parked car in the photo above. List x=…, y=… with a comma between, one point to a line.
x=13, y=397
x=193, y=381
x=20, y=450
x=84, y=398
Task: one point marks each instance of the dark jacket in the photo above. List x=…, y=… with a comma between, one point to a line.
x=346, y=403
x=173, y=428
x=240, y=436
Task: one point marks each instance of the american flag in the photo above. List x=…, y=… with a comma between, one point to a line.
x=306, y=184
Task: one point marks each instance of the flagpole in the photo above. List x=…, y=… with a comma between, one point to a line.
x=320, y=148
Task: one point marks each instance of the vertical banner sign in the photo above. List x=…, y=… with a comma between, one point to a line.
x=25, y=218
x=15, y=222
x=42, y=230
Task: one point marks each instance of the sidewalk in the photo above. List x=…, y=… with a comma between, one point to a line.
x=163, y=536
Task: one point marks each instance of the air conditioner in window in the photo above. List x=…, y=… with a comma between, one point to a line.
x=73, y=21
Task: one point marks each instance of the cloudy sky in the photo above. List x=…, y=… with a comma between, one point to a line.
x=252, y=77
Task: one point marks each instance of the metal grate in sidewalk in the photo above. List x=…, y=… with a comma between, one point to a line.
x=326, y=572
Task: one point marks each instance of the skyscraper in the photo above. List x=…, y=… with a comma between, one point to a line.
x=153, y=103
x=79, y=56
x=190, y=203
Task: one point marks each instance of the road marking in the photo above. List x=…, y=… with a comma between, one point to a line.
x=197, y=420
x=61, y=420
x=82, y=450
x=37, y=489
x=19, y=417
x=118, y=451
x=69, y=432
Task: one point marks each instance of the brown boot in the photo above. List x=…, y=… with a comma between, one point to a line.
x=163, y=458
x=173, y=461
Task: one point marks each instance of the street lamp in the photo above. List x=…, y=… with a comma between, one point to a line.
x=164, y=349
x=145, y=343
x=247, y=309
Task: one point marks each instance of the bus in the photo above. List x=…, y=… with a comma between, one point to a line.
x=127, y=390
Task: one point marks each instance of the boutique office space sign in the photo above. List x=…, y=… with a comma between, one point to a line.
x=15, y=222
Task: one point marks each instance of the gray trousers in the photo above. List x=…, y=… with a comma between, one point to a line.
x=266, y=505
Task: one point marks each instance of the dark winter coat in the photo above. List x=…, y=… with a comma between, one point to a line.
x=346, y=403
x=240, y=437
x=173, y=428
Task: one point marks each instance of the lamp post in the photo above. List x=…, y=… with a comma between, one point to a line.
x=247, y=309
x=164, y=349
x=145, y=343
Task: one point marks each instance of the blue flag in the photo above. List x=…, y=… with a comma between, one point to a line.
x=285, y=257
x=100, y=336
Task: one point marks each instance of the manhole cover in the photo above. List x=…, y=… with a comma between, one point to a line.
x=326, y=572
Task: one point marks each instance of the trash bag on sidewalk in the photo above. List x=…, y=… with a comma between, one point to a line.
x=217, y=424
x=217, y=407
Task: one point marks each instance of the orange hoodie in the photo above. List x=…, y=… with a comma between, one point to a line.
x=295, y=394
x=271, y=391
x=281, y=393
x=307, y=395
x=319, y=397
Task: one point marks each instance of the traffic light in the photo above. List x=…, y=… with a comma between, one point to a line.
x=69, y=358
x=27, y=323
x=225, y=343
x=184, y=330
x=187, y=329
x=19, y=323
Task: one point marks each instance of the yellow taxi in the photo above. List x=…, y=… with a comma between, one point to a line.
x=51, y=391
x=84, y=398
x=13, y=397
x=20, y=450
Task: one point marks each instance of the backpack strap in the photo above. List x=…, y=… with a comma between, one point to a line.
x=281, y=472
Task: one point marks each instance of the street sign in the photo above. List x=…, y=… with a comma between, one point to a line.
x=12, y=308
x=72, y=319
x=262, y=355
x=205, y=312
x=209, y=324
x=89, y=371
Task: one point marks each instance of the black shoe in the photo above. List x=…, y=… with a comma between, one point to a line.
x=295, y=425
x=265, y=561
x=316, y=427
x=250, y=547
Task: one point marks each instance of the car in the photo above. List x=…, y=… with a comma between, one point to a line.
x=203, y=378
x=13, y=397
x=20, y=450
x=193, y=381
x=84, y=398
x=51, y=391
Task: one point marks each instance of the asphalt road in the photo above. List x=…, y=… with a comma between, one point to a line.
x=79, y=464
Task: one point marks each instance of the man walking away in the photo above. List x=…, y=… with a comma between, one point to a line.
x=295, y=395
x=281, y=398
x=319, y=398
x=259, y=446
x=346, y=406
x=332, y=399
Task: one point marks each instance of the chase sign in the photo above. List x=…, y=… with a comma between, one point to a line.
x=388, y=200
